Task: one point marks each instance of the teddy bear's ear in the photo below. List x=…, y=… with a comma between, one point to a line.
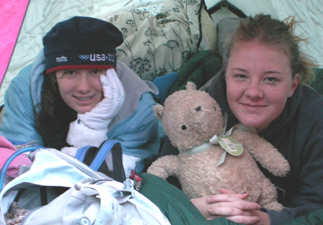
x=159, y=111
x=190, y=86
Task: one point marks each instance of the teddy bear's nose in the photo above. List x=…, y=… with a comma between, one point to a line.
x=198, y=108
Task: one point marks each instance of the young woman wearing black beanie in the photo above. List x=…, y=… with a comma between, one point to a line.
x=76, y=93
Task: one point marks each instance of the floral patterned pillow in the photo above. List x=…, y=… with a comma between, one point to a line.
x=158, y=37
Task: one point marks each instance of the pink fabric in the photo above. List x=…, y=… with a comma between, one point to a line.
x=11, y=16
x=6, y=150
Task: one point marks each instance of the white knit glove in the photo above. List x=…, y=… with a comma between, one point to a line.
x=91, y=128
x=102, y=114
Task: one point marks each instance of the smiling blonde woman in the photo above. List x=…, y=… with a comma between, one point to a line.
x=261, y=86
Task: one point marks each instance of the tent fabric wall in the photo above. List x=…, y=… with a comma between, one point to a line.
x=11, y=17
x=309, y=13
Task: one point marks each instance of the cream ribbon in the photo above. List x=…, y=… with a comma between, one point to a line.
x=213, y=141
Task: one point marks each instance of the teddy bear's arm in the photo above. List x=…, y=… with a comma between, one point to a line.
x=262, y=151
x=165, y=166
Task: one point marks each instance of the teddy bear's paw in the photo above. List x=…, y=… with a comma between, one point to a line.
x=157, y=172
x=281, y=169
x=164, y=167
x=274, y=206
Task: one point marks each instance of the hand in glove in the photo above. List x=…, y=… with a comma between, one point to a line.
x=102, y=114
x=91, y=128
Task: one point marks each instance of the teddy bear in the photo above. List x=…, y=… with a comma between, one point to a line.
x=210, y=157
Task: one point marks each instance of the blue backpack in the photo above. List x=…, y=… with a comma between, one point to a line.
x=108, y=154
x=76, y=190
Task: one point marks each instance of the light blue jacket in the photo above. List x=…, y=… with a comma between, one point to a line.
x=135, y=127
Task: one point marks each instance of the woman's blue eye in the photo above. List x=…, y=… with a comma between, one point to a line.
x=69, y=72
x=96, y=71
x=272, y=79
x=241, y=76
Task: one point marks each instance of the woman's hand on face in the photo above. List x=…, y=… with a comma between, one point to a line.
x=91, y=127
x=229, y=205
x=114, y=95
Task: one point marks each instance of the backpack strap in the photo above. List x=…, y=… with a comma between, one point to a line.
x=104, y=150
x=113, y=150
x=10, y=159
x=95, y=158
x=80, y=154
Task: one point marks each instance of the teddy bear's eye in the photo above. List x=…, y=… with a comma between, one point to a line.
x=198, y=108
x=214, y=108
x=184, y=127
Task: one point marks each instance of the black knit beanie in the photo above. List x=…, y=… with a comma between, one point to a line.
x=81, y=43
